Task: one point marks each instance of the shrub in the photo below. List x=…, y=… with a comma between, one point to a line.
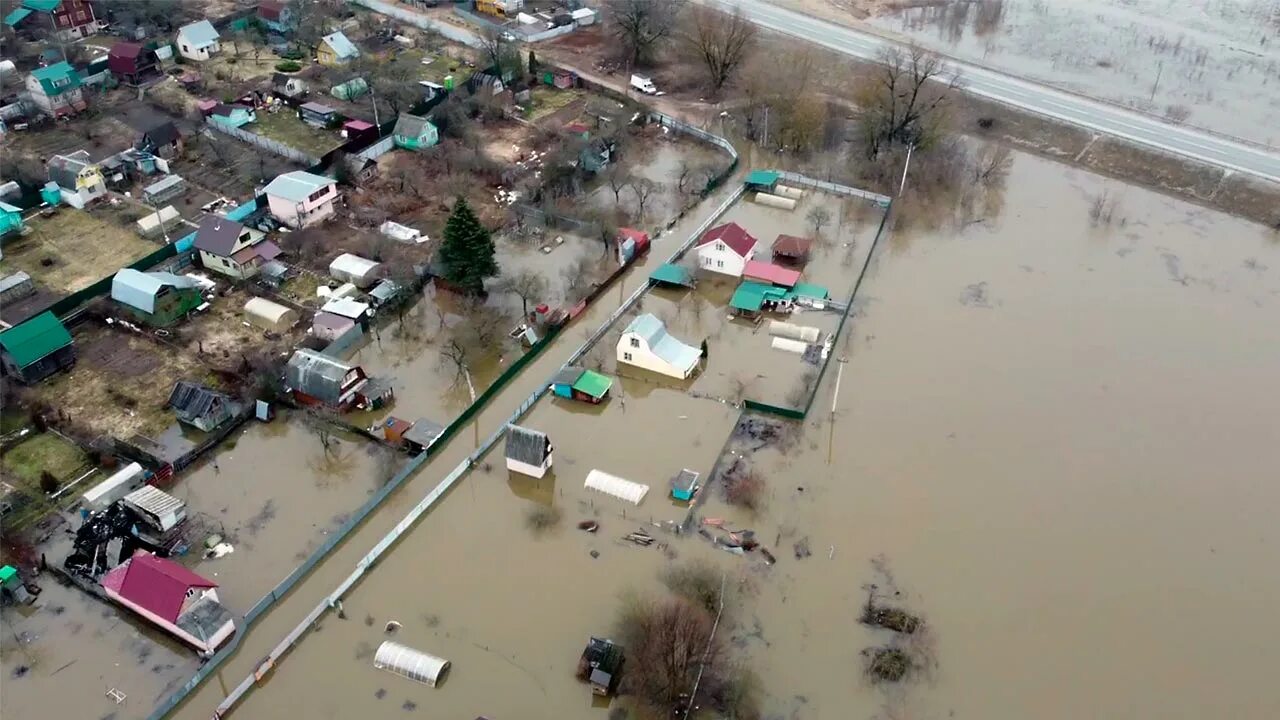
x=891, y=618
x=887, y=664
x=48, y=482
x=541, y=518
x=288, y=66
x=695, y=581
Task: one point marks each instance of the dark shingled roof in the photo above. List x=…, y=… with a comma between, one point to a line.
x=192, y=400
x=165, y=133
x=526, y=446
x=567, y=376
x=218, y=235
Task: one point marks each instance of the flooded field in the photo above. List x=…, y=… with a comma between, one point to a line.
x=1214, y=65
x=1050, y=433
x=274, y=493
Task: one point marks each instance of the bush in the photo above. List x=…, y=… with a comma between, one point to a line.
x=542, y=518
x=887, y=664
x=890, y=618
x=288, y=66
x=48, y=482
x=743, y=487
x=696, y=581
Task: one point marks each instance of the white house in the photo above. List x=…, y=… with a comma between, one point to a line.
x=198, y=41
x=528, y=451
x=726, y=249
x=300, y=199
x=646, y=344
x=227, y=247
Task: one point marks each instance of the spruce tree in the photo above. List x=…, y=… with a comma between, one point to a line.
x=467, y=250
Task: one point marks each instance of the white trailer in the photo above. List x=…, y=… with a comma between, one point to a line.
x=104, y=494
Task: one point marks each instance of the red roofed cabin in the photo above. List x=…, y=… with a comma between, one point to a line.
x=792, y=250
x=726, y=249
x=133, y=64
x=172, y=597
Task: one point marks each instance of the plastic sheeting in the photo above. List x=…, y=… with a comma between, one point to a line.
x=778, y=328
x=410, y=663
x=775, y=201
x=615, y=486
x=792, y=346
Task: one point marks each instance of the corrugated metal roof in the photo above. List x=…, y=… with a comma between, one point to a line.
x=768, y=272
x=139, y=289
x=342, y=47
x=530, y=447
x=192, y=400
x=424, y=432
x=296, y=186
x=34, y=339
x=346, y=307
x=155, y=584
x=317, y=374
x=567, y=376
x=154, y=500
x=731, y=234
x=672, y=351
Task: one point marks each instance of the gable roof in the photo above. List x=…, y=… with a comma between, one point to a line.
x=218, y=235
x=164, y=133
x=34, y=339
x=792, y=246
x=270, y=9
x=64, y=169
x=124, y=51
x=193, y=400
x=296, y=186
x=731, y=234
x=530, y=447
x=139, y=289
x=199, y=34
x=669, y=349
x=341, y=46
x=52, y=73
x=155, y=584
x=316, y=374
x=768, y=272
x=411, y=125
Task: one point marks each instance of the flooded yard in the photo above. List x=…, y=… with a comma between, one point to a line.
x=1052, y=432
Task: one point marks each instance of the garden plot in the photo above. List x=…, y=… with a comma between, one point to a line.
x=69, y=249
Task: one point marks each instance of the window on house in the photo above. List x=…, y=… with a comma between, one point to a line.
x=626, y=356
x=635, y=342
x=719, y=246
x=186, y=47
x=318, y=194
x=719, y=263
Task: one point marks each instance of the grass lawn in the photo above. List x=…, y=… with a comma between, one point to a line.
x=547, y=100
x=12, y=420
x=40, y=452
x=285, y=127
x=243, y=67
x=442, y=65
x=302, y=288
x=72, y=249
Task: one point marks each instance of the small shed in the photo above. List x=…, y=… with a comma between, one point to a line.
x=329, y=326
x=199, y=406
x=764, y=272
x=672, y=275
x=359, y=130
x=577, y=383
x=268, y=315
x=422, y=435
x=164, y=189
x=317, y=114
x=762, y=181
x=751, y=298
x=384, y=292
x=615, y=486
x=413, y=132
x=631, y=244
x=158, y=508
x=529, y=452
x=601, y=665
x=792, y=249
x=684, y=485
x=393, y=430
x=347, y=308
x=410, y=663
x=37, y=348
x=354, y=269
x=16, y=287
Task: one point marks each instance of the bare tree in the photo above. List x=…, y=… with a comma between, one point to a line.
x=474, y=334
x=618, y=176
x=818, y=217
x=669, y=644
x=500, y=50
x=321, y=423
x=904, y=100
x=722, y=41
x=526, y=285
x=992, y=164
x=644, y=189
x=643, y=25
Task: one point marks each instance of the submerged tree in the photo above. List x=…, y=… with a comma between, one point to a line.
x=467, y=250
x=904, y=101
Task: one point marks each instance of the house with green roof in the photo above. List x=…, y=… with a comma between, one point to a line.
x=414, y=133
x=577, y=383
x=67, y=19
x=10, y=219
x=751, y=298
x=56, y=89
x=36, y=349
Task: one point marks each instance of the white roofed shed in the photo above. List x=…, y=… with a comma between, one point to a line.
x=354, y=269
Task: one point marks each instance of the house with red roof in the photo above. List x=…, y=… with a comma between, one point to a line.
x=133, y=63
x=726, y=249
x=173, y=598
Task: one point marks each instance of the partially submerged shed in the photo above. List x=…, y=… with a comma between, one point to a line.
x=158, y=508
x=410, y=663
x=684, y=485
x=422, y=435
x=529, y=452
x=615, y=486
x=577, y=383
x=199, y=406
x=672, y=275
x=792, y=249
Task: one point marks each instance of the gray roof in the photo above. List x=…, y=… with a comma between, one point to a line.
x=384, y=291
x=218, y=235
x=63, y=169
x=423, y=432
x=567, y=376
x=163, y=184
x=316, y=374
x=18, y=279
x=139, y=289
x=669, y=349
x=410, y=125
x=319, y=108
x=527, y=446
x=198, y=34
x=342, y=47
x=190, y=401
x=296, y=186
x=687, y=480
x=205, y=618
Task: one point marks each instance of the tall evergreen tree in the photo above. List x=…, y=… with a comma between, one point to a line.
x=467, y=250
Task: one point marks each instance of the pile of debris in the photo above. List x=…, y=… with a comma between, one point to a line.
x=736, y=542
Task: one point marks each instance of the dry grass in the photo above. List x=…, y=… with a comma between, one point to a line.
x=285, y=127
x=220, y=333
x=72, y=249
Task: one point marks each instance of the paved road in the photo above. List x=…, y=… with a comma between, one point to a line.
x=1098, y=116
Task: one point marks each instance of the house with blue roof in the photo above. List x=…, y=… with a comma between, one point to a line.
x=647, y=344
x=198, y=41
x=336, y=49
x=300, y=199
x=56, y=89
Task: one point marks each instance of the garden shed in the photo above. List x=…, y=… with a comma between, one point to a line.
x=267, y=315
x=410, y=663
x=354, y=269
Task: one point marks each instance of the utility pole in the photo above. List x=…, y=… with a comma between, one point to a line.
x=905, y=165
x=1159, y=72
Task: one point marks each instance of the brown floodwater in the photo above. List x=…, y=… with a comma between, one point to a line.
x=1056, y=437
x=274, y=493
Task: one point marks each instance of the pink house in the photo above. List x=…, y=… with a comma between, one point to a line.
x=300, y=199
x=172, y=597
